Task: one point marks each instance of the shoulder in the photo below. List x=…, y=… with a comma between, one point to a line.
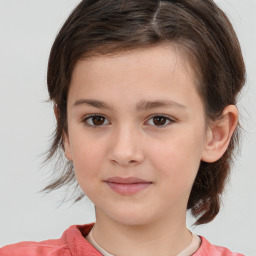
x=72, y=242
x=208, y=249
x=45, y=248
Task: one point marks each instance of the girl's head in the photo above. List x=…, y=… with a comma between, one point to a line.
x=202, y=46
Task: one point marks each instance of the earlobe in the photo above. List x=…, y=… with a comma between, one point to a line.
x=219, y=134
x=66, y=146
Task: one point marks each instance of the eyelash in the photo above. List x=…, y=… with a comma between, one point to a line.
x=167, y=119
x=88, y=117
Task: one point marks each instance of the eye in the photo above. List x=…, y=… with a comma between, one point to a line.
x=95, y=120
x=160, y=120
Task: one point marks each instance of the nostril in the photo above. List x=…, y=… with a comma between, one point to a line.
x=124, y=162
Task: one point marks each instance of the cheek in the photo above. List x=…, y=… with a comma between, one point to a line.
x=87, y=164
x=87, y=158
x=177, y=159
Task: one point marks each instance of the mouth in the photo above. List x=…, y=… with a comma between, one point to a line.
x=127, y=186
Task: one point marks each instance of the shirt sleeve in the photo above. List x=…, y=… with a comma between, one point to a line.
x=34, y=249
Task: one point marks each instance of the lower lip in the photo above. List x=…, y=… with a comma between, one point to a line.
x=128, y=189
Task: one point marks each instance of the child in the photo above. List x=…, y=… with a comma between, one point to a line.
x=144, y=95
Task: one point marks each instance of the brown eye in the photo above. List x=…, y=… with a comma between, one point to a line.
x=98, y=120
x=160, y=120
x=95, y=120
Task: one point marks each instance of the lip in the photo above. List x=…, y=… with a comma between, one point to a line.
x=127, y=180
x=127, y=186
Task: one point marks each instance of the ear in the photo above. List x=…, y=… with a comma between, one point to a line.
x=219, y=134
x=56, y=112
x=66, y=146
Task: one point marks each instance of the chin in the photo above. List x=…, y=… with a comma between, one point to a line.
x=132, y=217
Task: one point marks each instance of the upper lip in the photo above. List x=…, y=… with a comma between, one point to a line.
x=128, y=180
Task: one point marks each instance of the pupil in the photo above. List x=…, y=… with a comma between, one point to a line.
x=98, y=120
x=159, y=120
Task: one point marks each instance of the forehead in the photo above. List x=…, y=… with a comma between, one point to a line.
x=168, y=56
x=154, y=71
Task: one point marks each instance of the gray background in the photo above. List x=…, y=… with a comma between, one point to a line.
x=27, y=30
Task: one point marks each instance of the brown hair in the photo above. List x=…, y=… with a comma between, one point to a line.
x=198, y=26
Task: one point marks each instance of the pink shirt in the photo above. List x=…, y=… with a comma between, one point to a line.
x=73, y=243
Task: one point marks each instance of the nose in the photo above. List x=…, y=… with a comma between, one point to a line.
x=126, y=147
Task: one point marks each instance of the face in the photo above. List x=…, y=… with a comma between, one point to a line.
x=136, y=133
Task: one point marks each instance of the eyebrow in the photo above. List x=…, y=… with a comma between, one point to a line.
x=147, y=105
x=93, y=103
x=141, y=106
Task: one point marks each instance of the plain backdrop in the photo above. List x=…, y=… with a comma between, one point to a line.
x=27, y=31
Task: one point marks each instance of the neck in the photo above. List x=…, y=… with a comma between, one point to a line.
x=163, y=237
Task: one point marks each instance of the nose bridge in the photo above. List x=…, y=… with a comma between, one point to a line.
x=126, y=145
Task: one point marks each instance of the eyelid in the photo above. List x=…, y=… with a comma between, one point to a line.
x=169, y=118
x=86, y=117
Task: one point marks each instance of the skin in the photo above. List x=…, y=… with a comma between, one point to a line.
x=127, y=141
